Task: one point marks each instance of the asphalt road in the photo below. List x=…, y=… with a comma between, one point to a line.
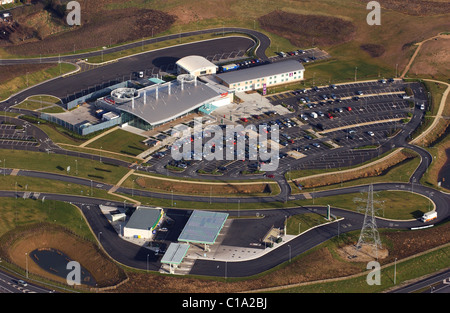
x=131, y=255
x=70, y=86
x=263, y=44
x=438, y=283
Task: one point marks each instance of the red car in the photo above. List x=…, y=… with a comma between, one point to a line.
x=270, y=176
x=349, y=108
x=244, y=119
x=330, y=116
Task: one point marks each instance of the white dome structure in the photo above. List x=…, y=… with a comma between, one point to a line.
x=195, y=65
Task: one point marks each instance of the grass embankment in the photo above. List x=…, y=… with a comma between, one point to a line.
x=204, y=188
x=300, y=223
x=20, y=212
x=154, y=46
x=55, y=163
x=12, y=86
x=27, y=225
x=34, y=184
x=397, y=168
x=392, y=207
x=410, y=269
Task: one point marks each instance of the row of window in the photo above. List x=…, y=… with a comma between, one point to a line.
x=272, y=80
x=257, y=86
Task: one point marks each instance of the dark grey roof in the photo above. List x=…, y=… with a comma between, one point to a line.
x=203, y=227
x=261, y=71
x=144, y=218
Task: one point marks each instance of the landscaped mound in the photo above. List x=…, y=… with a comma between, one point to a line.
x=16, y=243
x=308, y=30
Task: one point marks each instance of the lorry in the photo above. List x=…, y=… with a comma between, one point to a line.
x=429, y=216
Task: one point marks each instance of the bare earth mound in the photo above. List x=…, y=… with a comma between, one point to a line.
x=307, y=30
x=365, y=254
x=433, y=59
x=98, y=28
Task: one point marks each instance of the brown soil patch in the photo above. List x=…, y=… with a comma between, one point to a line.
x=416, y=7
x=373, y=50
x=433, y=59
x=202, y=189
x=307, y=30
x=15, y=244
x=99, y=27
x=365, y=254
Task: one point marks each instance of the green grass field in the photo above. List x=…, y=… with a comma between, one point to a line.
x=55, y=163
x=300, y=223
x=392, y=208
x=17, y=84
x=18, y=212
x=120, y=141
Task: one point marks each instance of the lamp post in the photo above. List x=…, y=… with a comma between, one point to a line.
x=395, y=270
x=26, y=263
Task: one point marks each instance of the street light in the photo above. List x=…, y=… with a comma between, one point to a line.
x=26, y=263
x=395, y=270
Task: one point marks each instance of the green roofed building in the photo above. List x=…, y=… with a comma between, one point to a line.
x=175, y=255
x=143, y=222
x=203, y=227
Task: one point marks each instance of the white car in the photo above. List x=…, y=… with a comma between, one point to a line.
x=370, y=133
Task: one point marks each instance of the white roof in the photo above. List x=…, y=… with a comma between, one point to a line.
x=193, y=63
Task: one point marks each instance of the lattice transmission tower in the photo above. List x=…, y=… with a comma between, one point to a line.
x=369, y=233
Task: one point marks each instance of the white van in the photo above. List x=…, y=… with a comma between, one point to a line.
x=429, y=216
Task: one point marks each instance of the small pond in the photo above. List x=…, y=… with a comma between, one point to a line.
x=55, y=262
